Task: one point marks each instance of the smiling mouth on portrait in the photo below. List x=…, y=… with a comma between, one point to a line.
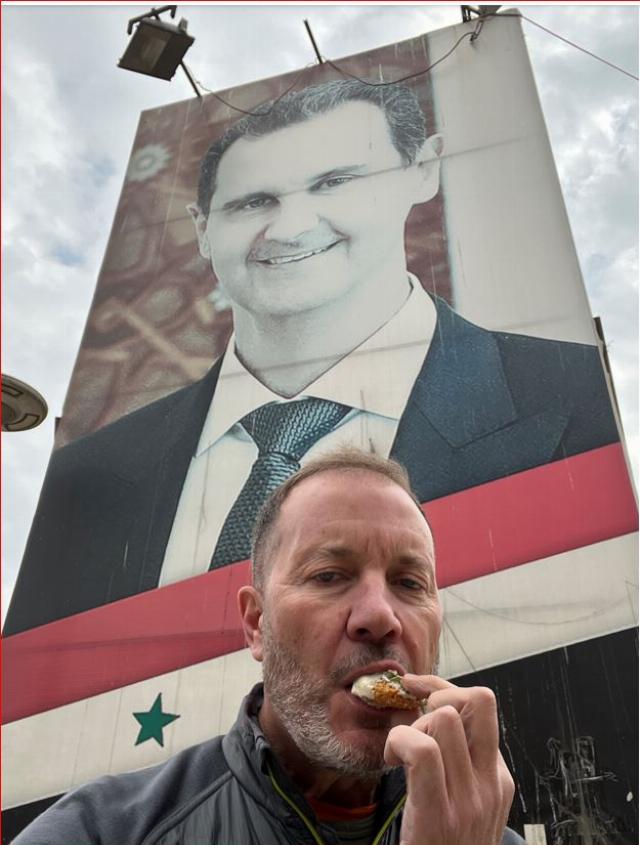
x=293, y=257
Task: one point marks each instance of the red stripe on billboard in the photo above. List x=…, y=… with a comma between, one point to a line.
x=123, y=642
x=525, y=517
x=532, y=515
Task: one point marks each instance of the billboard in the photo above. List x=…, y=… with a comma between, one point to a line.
x=370, y=252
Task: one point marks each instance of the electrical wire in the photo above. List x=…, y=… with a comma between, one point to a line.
x=447, y=625
x=577, y=46
x=555, y=35
x=402, y=78
x=537, y=623
x=472, y=37
x=245, y=111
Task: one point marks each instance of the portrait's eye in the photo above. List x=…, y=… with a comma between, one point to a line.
x=332, y=182
x=257, y=203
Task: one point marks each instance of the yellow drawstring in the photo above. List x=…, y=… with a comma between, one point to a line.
x=311, y=828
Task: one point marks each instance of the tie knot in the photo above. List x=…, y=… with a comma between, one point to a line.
x=291, y=428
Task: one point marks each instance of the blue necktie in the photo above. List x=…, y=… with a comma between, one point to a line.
x=283, y=433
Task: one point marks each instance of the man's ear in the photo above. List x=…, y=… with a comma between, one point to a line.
x=250, y=607
x=428, y=164
x=200, y=225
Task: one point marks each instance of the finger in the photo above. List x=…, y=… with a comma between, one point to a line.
x=422, y=760
x=478, y=712
x=476, y=705
x=445, y=726
x=423, y=685
x=420, y=686
x=507, y=791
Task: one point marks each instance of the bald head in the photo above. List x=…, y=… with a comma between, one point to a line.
x=347, y=461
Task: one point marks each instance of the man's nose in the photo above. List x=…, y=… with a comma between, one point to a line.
x=294, y=216
x=373, y=617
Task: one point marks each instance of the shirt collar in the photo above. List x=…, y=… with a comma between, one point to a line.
x=353, y=381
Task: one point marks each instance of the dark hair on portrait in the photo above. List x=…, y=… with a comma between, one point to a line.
x=344, y=459
x=405, y=119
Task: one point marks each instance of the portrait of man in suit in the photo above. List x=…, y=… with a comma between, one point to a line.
x=301, y=211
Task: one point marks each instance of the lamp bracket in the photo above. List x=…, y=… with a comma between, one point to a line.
x=154, y=13
x=479, y=11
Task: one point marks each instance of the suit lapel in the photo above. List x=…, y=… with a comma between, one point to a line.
x=157, y=472
x=462, y=387
x=461, y=426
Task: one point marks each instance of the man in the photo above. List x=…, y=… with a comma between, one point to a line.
x=343, y=586
x=301, y=211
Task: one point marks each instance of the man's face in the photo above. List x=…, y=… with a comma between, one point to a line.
x=312, y=212
x=351, y=591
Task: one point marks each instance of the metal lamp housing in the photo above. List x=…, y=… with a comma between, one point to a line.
x=22, y=406
x=156, y=48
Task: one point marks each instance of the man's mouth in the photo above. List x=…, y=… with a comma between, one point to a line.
x=277, y=260
x=372, y=669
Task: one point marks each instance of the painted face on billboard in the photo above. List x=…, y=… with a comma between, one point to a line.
x=313, y=212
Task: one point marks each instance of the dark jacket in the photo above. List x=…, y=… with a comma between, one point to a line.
x=217, y=793
x=485, y=405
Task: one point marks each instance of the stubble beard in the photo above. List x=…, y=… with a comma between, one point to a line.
x=301, y=704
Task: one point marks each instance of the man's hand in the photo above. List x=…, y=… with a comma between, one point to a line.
x=459, y=790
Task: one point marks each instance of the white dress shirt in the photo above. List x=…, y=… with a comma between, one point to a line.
x=375, y=380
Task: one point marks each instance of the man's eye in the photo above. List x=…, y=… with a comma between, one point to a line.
x=326, y=577
x=411, y=584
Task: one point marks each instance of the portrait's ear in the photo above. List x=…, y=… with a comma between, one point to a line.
x=200, y=225
x=250, y=607
x=428, y=163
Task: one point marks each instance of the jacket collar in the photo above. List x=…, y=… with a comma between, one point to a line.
x=249, y=756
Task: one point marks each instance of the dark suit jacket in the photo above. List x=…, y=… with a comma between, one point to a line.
x=485, y=405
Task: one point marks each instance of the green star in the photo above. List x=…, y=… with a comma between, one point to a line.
x=153, y=722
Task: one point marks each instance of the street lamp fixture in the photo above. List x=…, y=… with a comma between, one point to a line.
x=156, y=47
x=22, y=405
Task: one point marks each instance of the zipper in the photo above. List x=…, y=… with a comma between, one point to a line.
x=309, y=824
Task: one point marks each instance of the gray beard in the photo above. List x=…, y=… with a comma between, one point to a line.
x=301, y=704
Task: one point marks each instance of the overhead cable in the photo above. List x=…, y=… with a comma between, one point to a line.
x=262, y=113
x=344, y=72
x=472, y=36
x=409, y=76
x=572, y=44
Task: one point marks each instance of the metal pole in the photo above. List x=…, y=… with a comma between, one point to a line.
x=313, y=41
x=191, y=80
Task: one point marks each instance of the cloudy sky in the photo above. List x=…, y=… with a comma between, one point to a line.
x=69, y=118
